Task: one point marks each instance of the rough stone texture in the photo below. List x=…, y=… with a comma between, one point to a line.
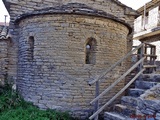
x=3, y=60
x=74, y=8
x=145, y=84
x=139, y=107
x=6, y=56
x=49, y=42
x=19, y=8
x=149, y=104
x=12, y=54
x=151, y=77
x=152, y=94
x=124, y=110
x=113, y=7
x=135, y=92
x=58, y=75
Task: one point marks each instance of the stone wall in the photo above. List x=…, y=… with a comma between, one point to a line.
x=49, y=44
x=149, y=104
x=13, y=57
x=3, y=60
x=57, y=77
x=113, y=7
x=19, y=8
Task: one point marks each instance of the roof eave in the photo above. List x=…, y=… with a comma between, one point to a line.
x=77, y=12
x=148, y=5
x=132, y=11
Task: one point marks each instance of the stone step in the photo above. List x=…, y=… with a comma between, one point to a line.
x=129, y=101
x=151, y=77
x=115, y=116
x=145, y=84
x=124, y=110
x=135, y=92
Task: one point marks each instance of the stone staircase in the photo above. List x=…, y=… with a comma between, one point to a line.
x=127, y=109
x=141, y=80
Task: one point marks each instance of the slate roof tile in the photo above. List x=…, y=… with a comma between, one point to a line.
x=4, y=32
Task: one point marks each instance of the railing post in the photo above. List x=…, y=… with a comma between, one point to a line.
x=97, y=102
x=141, y=56
x=153, y=58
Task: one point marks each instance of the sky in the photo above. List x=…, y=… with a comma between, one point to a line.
x=135, y=4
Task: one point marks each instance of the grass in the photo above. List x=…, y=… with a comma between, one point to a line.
x=13, y=107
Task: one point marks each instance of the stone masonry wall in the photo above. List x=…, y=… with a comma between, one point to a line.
x=57, y=77
x=110, y=6
x=50, y=50
x=17, y=8
x=149, y=104
x=13, y=56
x=3, y=60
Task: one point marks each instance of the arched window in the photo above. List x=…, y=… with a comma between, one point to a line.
x=91, y=51
x=31, y=48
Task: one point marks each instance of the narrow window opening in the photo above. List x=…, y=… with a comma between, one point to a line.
x=91, y=51
x=88, y=47
x=31, y=48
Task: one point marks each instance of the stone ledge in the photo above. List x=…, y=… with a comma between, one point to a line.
x=149, y=102
x=74, y=8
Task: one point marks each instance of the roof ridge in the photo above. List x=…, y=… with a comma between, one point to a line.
x=122, y=4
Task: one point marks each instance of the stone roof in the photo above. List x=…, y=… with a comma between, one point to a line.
x=4, y=32
x=73, y=8
x=123, y=5
x=7, y=4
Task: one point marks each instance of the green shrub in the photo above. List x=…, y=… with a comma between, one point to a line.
x=13, y=107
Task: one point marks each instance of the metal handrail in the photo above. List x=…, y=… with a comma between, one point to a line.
x=114, y=65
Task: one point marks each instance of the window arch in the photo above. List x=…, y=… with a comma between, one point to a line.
x=91, y=51
x=31, y=48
